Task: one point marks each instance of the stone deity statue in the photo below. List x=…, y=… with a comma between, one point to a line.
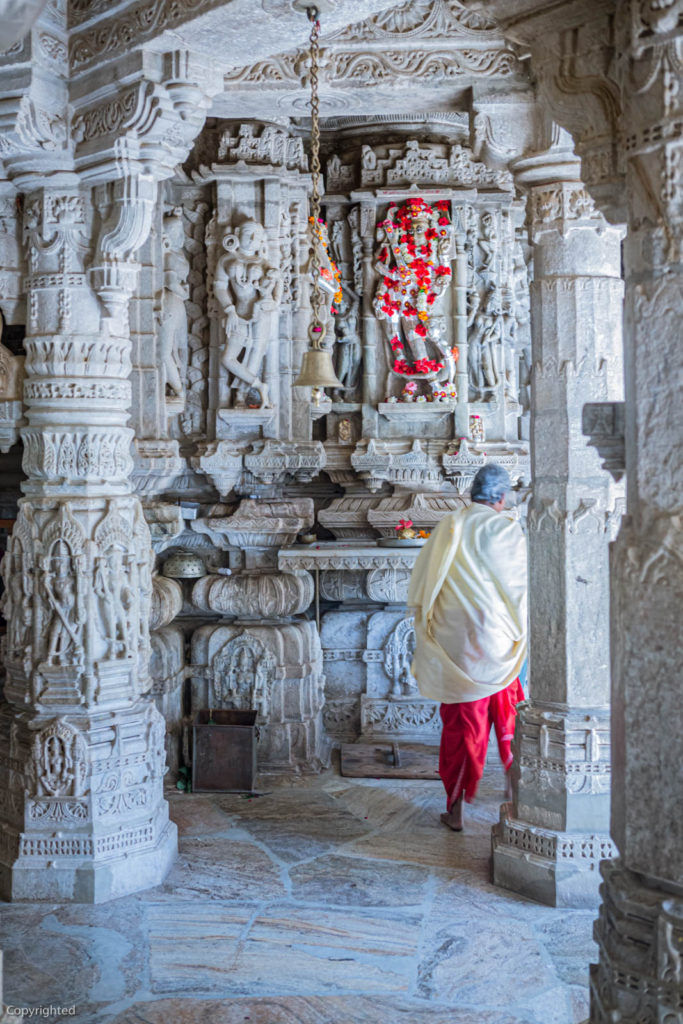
x=173, y=317
x=413, y=264
x=248, y=290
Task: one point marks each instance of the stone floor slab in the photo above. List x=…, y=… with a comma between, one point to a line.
x=305, y=1010
x=325, y=901
x=283, y=950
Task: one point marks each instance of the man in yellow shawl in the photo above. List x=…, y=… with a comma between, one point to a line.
x=468, y=591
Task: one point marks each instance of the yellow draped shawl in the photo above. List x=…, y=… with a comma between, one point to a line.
x=468, y=592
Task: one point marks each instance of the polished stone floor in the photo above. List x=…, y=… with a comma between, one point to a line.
x=324, y=901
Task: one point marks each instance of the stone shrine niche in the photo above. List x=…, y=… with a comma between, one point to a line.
x=242, y=676
x=247, y=289
x=431, y=239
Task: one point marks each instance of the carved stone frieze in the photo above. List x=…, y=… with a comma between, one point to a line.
x=410, y=716
x=271, y=462
x=271, y=146
x=341, y=718
x=166, y=602
x=389, y=585
x=413, y=163
x=255, y=596
x=346, y=556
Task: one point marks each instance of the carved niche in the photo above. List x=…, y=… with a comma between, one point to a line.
x=59, y=761
x=398, y=656
x=242, y=675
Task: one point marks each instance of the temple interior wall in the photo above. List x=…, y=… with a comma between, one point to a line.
x=155, y=290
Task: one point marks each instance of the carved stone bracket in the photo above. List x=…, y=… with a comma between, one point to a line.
x=603, y=423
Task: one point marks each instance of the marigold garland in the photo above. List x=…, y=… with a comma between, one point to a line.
x=332, y=273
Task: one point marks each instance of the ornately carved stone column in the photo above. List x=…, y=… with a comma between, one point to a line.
x=83, y=812
x=551, y=838
x=640, y=931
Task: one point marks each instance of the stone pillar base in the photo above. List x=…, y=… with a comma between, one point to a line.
x=559, y=869
x=94, y=878
x=640, y=937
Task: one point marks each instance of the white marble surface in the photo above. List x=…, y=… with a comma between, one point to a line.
x=340, y=555
x=328, y=901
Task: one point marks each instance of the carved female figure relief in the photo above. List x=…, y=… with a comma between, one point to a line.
x=484, y=342
x=248, y=289
x=348, y=350
x=173, y=316
x=488, y=240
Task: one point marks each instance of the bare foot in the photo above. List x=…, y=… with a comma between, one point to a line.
x=453, y=818
x=447, y=819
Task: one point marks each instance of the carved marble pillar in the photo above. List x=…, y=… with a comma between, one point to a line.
x=551, y=838
x=639, y=977
x=82, y=809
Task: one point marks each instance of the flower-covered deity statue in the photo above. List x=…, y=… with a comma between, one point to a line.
x=412, y=261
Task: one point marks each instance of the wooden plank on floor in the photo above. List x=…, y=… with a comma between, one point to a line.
x=378, y=761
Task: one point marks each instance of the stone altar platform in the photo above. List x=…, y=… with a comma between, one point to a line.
x=368, y=640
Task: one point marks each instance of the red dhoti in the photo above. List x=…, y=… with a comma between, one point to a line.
x=465, y=739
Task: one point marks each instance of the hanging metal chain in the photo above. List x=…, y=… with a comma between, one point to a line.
x=316, y=330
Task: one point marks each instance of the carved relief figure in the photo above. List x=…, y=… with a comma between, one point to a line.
x=16, y=603
x=488, y=239
x=59, y=761
x=242, y=673
x=398, y=657
x=173, y=317
x=248, y=290
x=65, y=626
x=348, y=350
x=483, y=343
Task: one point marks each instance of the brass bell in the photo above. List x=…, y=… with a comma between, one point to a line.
x=317, y=370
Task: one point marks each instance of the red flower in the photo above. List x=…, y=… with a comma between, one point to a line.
x=443, y=220
x=442, y=271
x=396, y=343
x=421, y=330
x=442, y=204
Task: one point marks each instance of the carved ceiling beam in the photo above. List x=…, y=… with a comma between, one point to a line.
x=225, y=27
